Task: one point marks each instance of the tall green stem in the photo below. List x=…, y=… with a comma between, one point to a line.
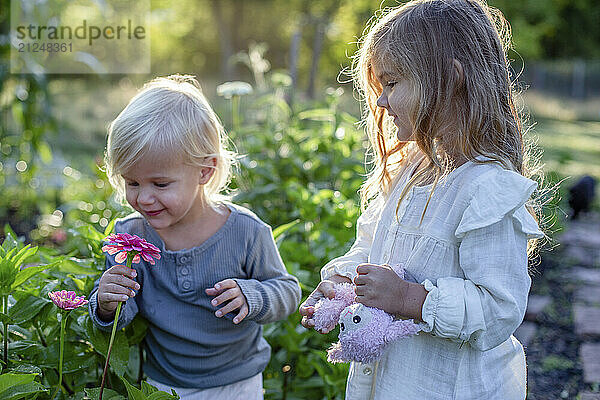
x=112, y=335
x=235, y=111
x=5, y=334
x=63, y=324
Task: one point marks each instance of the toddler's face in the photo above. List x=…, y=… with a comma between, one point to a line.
x=398, y=99
x=166, y=192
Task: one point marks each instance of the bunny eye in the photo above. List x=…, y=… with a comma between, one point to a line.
x=356, y=319
x=342, y=327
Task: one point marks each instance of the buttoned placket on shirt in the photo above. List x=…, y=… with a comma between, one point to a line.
x=183, y=272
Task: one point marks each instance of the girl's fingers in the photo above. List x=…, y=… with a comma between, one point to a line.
x=241, y=315
x=306, y=310
x=308, y=322
x=234, y=304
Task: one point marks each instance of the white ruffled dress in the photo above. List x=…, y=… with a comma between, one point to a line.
x=470, y=253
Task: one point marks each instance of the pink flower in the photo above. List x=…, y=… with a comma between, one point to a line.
x=123, y=243
x=67, y=300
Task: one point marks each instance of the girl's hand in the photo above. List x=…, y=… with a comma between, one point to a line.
x=324, y=289
x=116, y=285
x=229, y=290
x=380, y=287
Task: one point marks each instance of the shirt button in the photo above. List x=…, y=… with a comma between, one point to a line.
x=367, y=371
x=184, y=259
x=187, y=285
x=185, y=271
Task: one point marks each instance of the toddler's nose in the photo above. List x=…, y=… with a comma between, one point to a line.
x=145, y=197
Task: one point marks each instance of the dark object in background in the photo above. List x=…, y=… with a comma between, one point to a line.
x=581, y=195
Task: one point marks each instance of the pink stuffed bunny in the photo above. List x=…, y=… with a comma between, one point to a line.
x=364, y=331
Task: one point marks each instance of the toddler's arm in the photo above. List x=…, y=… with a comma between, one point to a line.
x=271, y=292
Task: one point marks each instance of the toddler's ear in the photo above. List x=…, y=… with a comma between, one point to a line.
x=206, y=172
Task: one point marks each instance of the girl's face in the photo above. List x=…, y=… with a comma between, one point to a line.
x=398, y=99
x=167, y=193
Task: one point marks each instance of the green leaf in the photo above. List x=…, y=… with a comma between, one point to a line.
x=163, y=396
x=23, y=255
x=110, y=227
x=27, y=369
x=9, y=381
x=44, y=152
x=148, y=388
x=9, y=241
x=78, y=282
x=136, y=330
x=5, y=319
x=27, y=308
x=119, y=356
x=133, y=392
x=318, y=114
x=283, y=228
x=107, y=394
x=27, y=273
x=22, y=391
x=77, y=266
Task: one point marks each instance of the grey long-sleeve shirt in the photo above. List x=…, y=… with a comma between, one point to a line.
x=186, y=344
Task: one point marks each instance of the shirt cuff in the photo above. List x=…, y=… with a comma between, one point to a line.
x=443, y=309
x=347, y=269
x=93, y=309
x=255, y=297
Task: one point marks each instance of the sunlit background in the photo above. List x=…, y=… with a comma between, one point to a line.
x=303, y=151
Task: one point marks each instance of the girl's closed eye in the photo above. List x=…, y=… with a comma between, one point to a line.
x=132, y=183
x=162, y=184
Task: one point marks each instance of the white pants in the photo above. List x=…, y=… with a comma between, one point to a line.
x=248, y=389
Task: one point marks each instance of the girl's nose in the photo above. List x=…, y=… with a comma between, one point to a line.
x=382, y=101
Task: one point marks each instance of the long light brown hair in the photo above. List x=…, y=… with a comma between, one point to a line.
x=455, y=116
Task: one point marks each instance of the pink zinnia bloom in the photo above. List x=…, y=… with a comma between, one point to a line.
x=67, y=300
x=123, y=243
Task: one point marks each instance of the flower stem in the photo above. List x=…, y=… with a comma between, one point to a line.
x=235, y=111
x=130, y=256
x=63, y=324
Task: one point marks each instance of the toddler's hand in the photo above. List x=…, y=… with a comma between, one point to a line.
x=116, y=285
x=324, y=289
x=229, y=290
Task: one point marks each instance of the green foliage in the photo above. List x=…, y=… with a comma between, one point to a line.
x=300, y=170
x=553, y=362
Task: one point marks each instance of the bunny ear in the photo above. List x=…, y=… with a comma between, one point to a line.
x=335, y=354
x=400, y=329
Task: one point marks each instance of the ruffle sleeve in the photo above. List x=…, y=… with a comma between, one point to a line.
x=495, y=194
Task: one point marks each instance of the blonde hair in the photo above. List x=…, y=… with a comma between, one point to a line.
x=170, y=116
x=420, y=41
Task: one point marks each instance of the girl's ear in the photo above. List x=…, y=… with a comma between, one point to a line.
x=206, y=172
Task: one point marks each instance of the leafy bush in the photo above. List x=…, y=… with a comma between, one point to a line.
x=299, y=170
